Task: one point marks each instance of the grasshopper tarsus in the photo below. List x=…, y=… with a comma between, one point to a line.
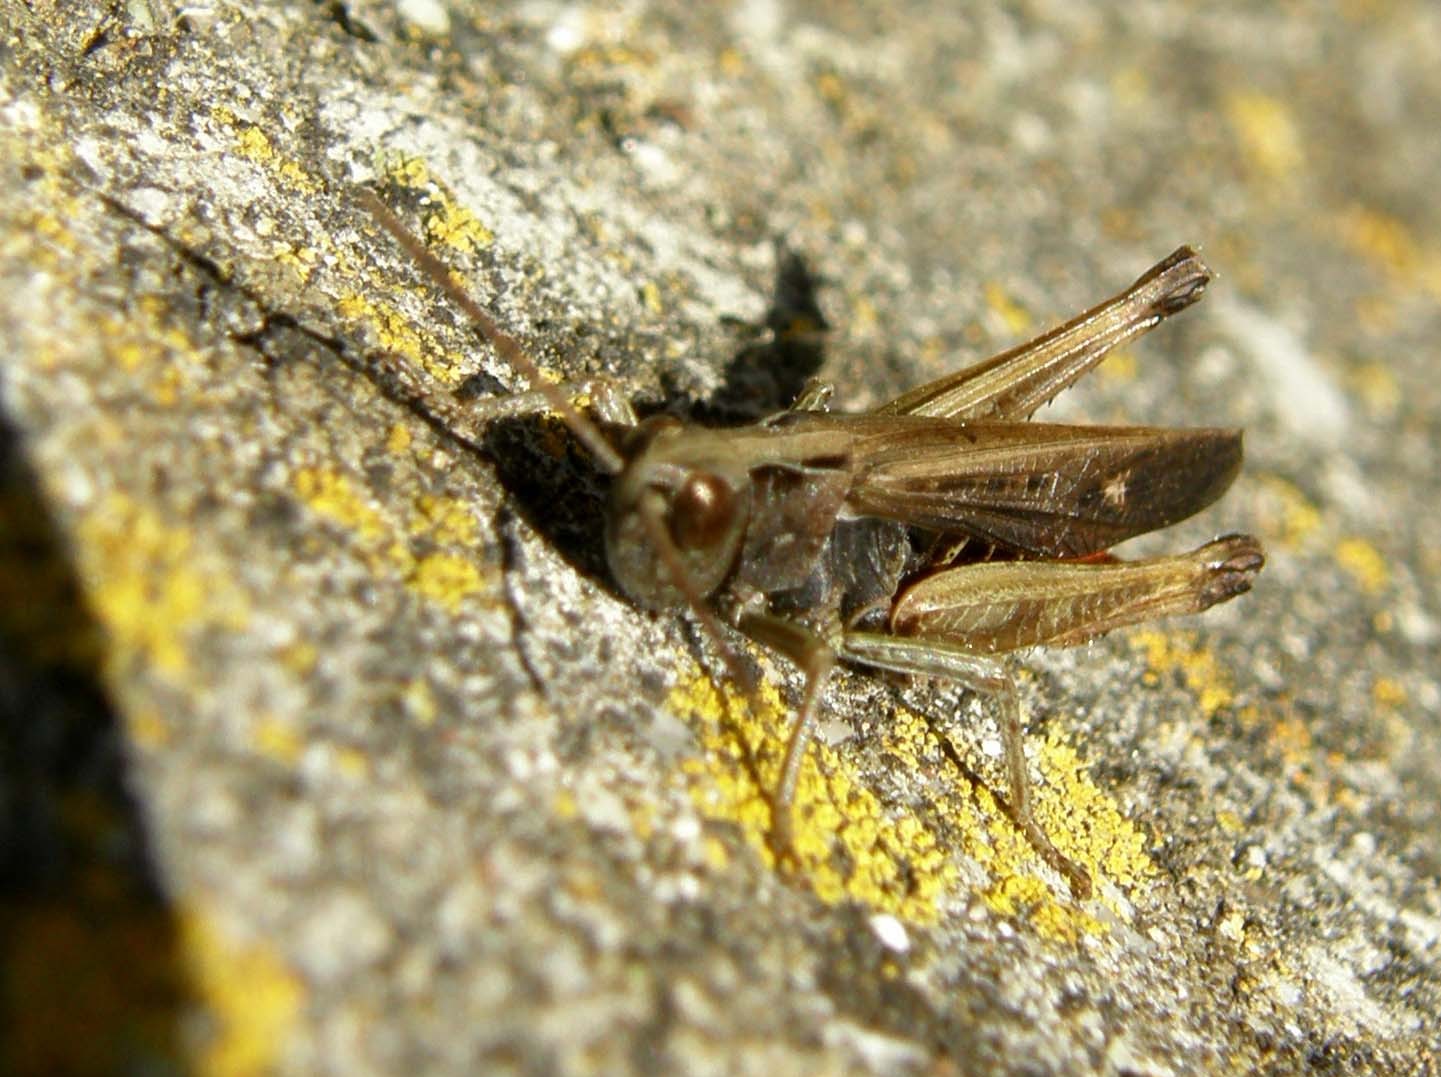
x=1077, y=878
x=1186, y=286
x=828, y=535
x=782, y=839
x=1231, y=561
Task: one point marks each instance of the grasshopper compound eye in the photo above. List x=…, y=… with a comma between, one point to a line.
x=665, y=539
x=677, y=516
x=702, y=514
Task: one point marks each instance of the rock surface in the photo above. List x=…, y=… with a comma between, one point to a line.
x=328, y=744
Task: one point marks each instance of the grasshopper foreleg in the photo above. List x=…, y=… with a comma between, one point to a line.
x=815, y=657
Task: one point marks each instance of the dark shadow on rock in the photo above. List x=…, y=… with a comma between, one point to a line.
x=93, y=980
x=768, y=375
x=555, y=486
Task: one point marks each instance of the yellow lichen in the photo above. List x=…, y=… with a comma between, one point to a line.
x=444, y=221
x=353, y=763
x=147, y=727
x=1292, y=736
x=1131, y=87
x=1388, y=242
x=278, y=739
x=1014, y=316
x=150, y=347
x=399, y=439
x=420, y=702
x=1232, y=926
x=405, y=170
x=254, y=144
x=447, y=579
x=300, y=259
x=1389, y=693
x=1029, y=898
x=564, y=804
x=1380, y=238
x=150, y=586
x=894, y=865
x=396, y=335
x=1119, y=366
x=1266, y=133
x=830, y=88
x=1169, y=651
x=1364, y=564
x=254, y=1000
x=299, y=657
x=450, y=577
x=450, y=224
x=1288, y=515
x=865, y=317
x=1229, y=821
x=1375, y=383
x=1085, y=822
x=445, y=519
x=895, y=861
x=331, y=494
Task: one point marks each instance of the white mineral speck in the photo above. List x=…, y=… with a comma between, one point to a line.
x=427, y=15
x=891, y=932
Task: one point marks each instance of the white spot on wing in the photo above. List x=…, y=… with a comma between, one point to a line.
x=1115, y=490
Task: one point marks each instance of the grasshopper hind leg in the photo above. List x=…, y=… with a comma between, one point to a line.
x=955, y=622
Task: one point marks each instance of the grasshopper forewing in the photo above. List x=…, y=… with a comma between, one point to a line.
x=931, y=536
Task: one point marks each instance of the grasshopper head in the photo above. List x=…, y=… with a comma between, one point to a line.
x=678, y=514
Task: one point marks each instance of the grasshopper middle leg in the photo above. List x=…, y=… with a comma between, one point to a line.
x=938, y=658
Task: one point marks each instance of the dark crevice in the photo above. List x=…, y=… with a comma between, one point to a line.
x=340, y=14
x=94, y=980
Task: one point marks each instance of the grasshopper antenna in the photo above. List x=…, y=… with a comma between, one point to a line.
x=589, y=434
x=605, y=455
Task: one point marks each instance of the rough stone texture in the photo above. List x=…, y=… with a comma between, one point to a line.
x=327, y=744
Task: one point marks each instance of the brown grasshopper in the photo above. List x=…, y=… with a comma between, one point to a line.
x=927, y=536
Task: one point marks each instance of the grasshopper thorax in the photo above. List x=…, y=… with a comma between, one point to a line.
x=678, y=513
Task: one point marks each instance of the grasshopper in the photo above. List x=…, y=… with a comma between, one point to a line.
x=932, y=535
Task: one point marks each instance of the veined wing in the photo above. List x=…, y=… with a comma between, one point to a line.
x=1043, y=489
